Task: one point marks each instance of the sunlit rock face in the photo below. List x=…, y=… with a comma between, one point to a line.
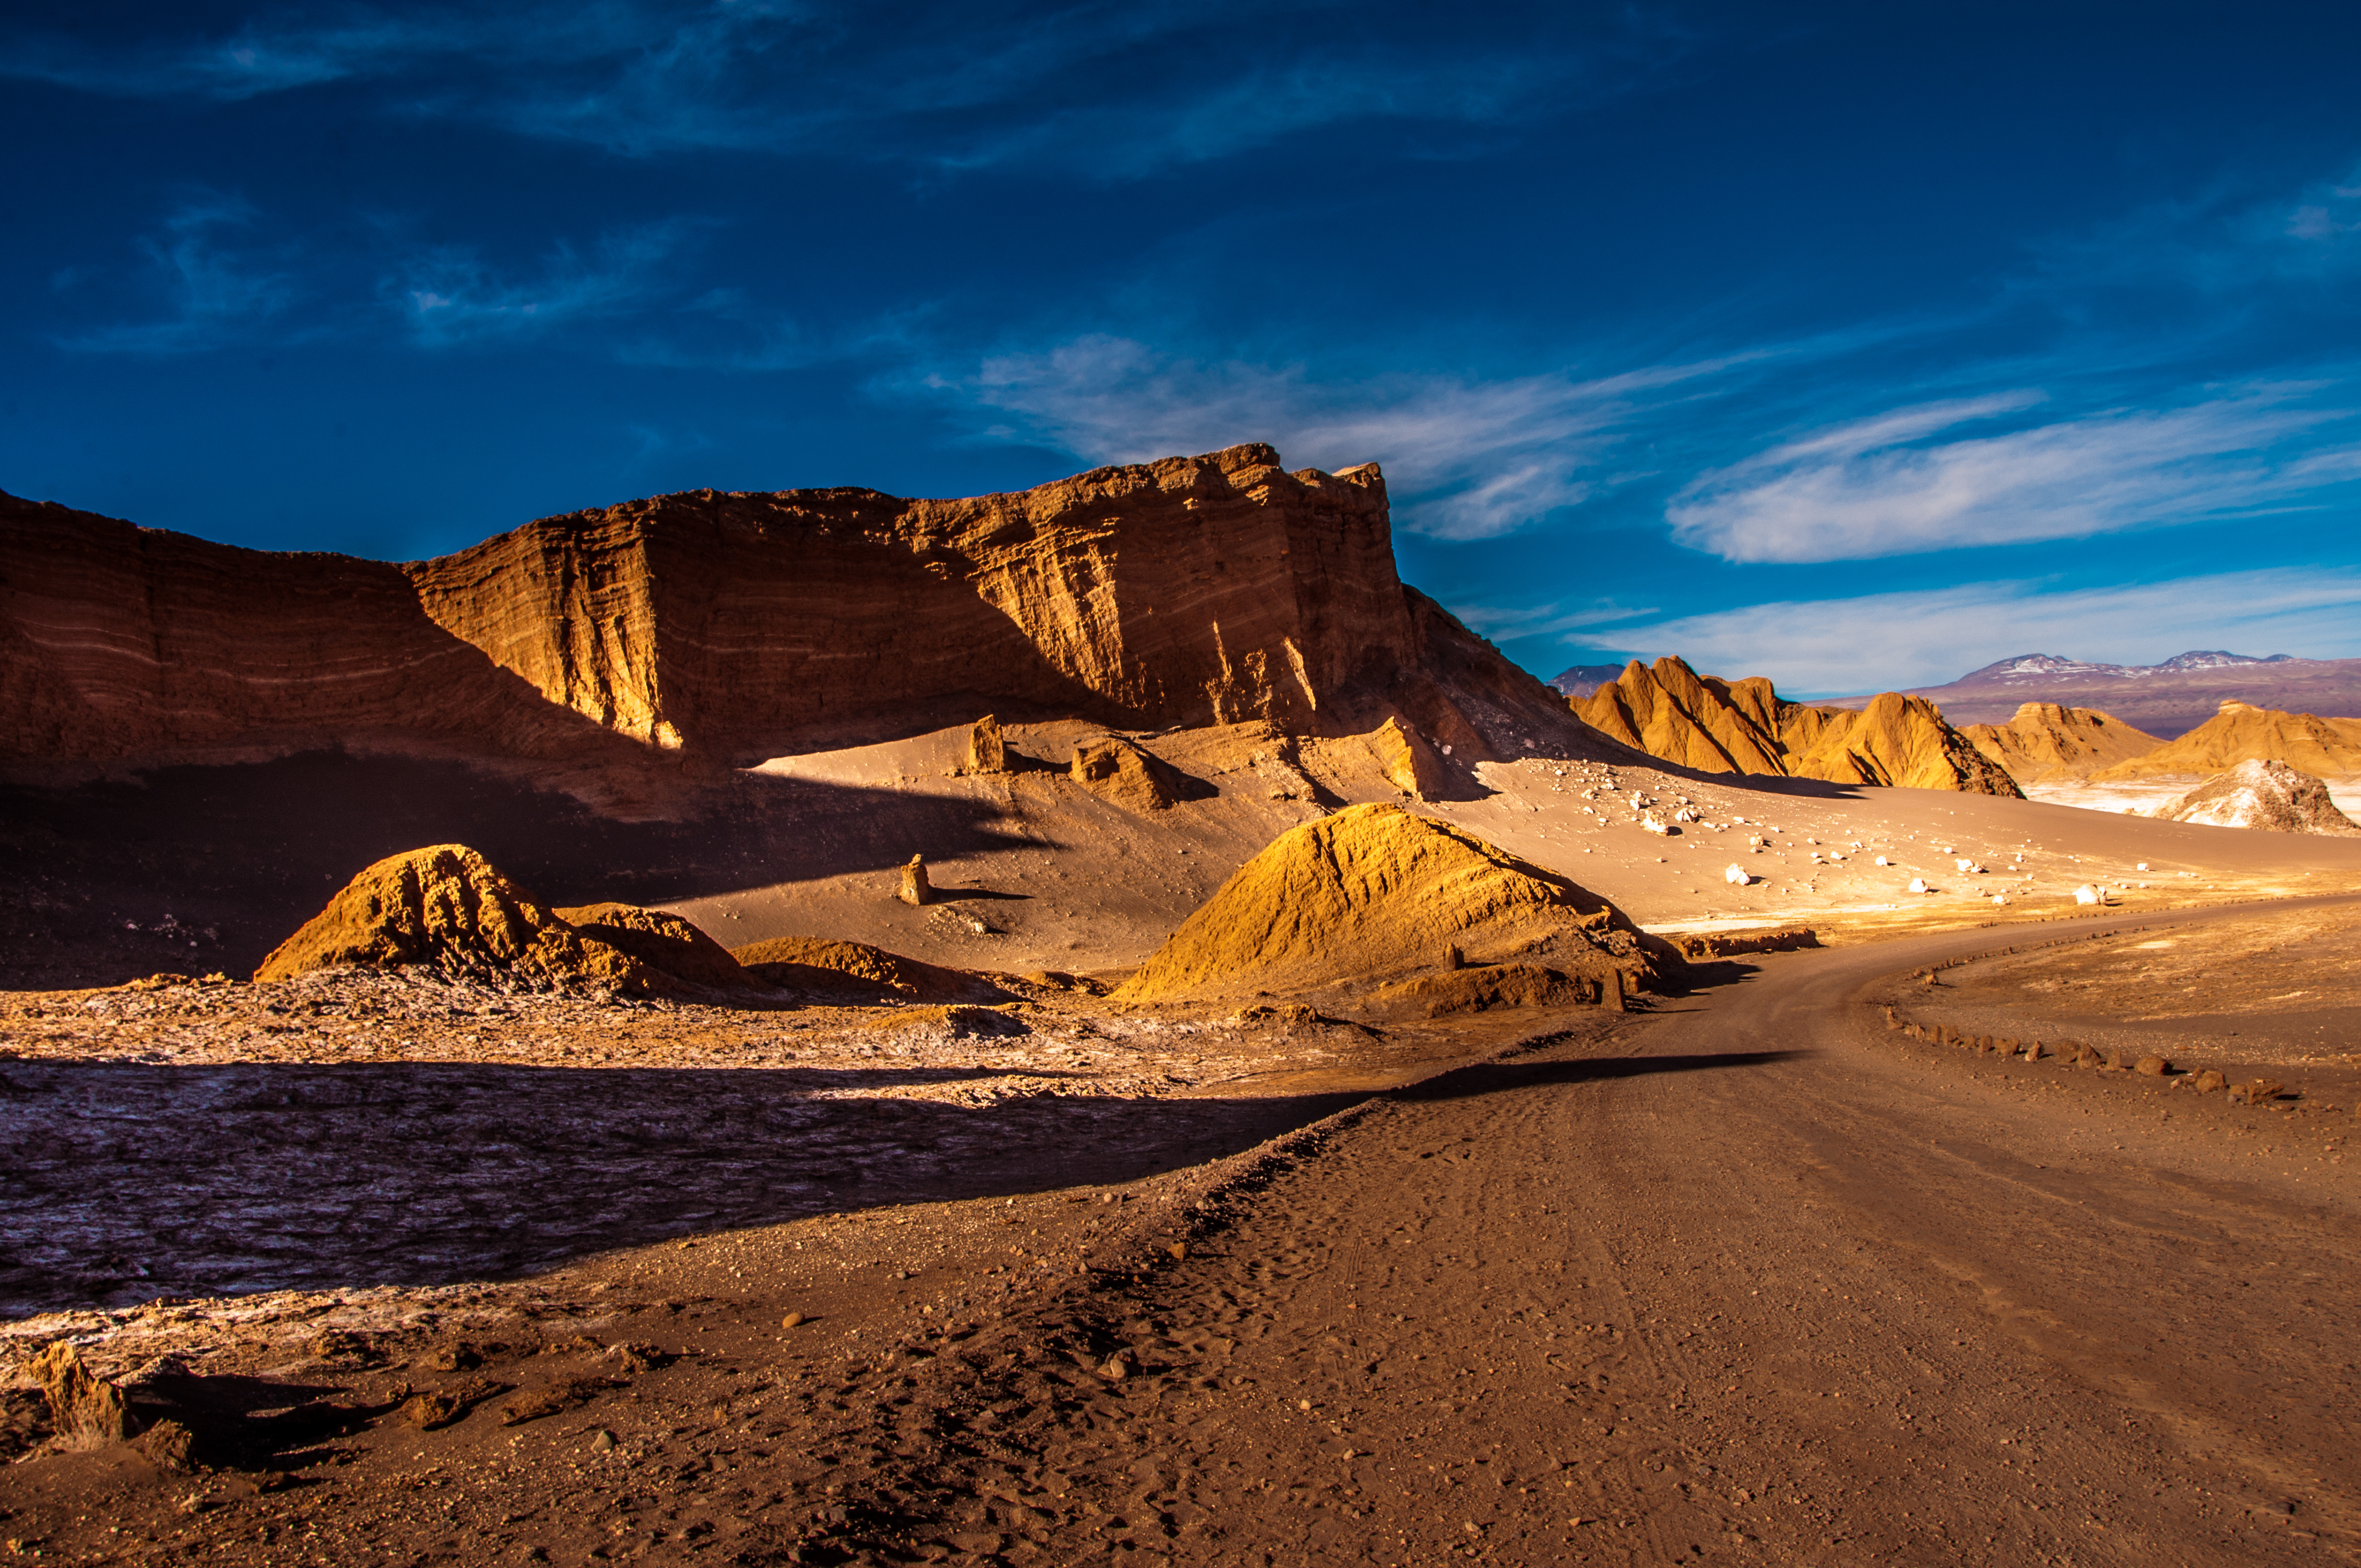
x=1194, y=590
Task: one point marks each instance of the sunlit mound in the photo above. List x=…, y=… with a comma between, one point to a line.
x=1375, y=895
x=856, y=972
x=663, y=941
x=449, y=908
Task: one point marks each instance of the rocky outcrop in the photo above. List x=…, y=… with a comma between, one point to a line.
x=2239, y=732
x=1190, y=591
x=1409, y=764
x=1714, y=726
x=449, y=908
x=1122, y=774
x=1376, y=893
x=2046, y=741
x=987, y=749
x=2272, y=796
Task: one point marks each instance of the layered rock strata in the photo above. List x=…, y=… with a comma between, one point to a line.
x=1191, y=591
x=1714, y=726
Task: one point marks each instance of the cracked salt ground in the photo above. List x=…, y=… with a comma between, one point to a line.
x=357, y=1130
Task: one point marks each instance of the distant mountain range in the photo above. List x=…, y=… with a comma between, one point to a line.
x=1584, y=679
x=2046, y=666
x=2166, y=700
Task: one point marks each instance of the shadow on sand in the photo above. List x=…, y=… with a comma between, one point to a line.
x=131, y=1181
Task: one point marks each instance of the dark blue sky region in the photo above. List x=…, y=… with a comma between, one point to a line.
x=1856, y=347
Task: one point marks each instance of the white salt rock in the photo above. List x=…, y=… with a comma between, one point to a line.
x=2141, y=867
x=2086, y=894
x=1883, y=862
x=1999, y=898
x=1736, y=876
x=1918, y=884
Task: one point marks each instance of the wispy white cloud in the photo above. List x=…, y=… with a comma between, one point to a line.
x=450, y=295
x=1553, y=619
x=214, y=292
x=1116, y=90
x=1885, y=486
x=1465, y=458
x=1880, y=641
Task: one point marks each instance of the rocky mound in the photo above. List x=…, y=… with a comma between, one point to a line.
x=856, y=973
x=664, y=942
x=2238, y=733
x=1375, y=895
x=448, y=907
x=1122, y=774
x=2269, y=795
x=1714, y=726
x=2046, y=741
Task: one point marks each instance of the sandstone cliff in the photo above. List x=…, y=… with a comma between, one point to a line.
x=2046, y=741
x=1744, y=727
x=2328, y=748
x=714, y=627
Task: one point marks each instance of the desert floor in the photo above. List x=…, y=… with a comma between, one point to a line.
x=1745, y=1273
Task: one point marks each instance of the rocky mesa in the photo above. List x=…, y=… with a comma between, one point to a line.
x=1715, y=726
x=710, y=627
x=2047, y=741
x=2240, y=732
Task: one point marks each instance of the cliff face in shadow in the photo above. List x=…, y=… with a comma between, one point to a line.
x=721, y=626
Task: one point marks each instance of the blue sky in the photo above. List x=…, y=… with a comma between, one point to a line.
x=1856, y=347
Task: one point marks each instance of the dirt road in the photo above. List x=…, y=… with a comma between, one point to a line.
x=1753, y=1279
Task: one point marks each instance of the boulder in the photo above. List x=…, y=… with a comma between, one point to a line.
x=915, y=890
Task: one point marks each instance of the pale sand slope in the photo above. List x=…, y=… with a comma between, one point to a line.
x=1078, y=884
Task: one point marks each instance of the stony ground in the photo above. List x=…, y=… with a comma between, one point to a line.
x=1750, y=1279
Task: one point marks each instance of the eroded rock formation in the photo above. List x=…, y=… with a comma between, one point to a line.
x=2046, y=741
x=1375, y=893
x=447, y=907
x=1714, y=726
x=2272, y=796
x=2238, y=733
x=725, y=626
x=1122, y=774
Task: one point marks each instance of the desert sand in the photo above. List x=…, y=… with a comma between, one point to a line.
x=1206, y=1167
